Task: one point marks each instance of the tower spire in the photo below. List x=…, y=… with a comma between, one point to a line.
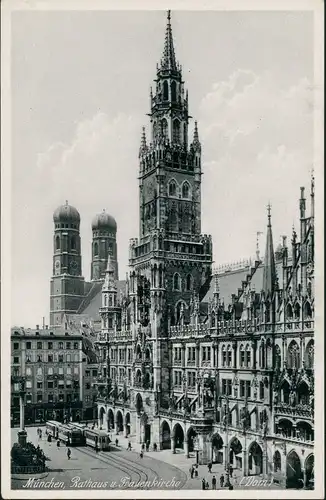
x=196, y=143
x=168, y=60
x=269, y=278
x=312, y=194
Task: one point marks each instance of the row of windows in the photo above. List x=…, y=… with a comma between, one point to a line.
x=50, y=398
x=49, y=371
x=173, y=190
x=72, y=241
x=122, y=355
x=50, y=384
x=49, y=345
x=50, y=358
x=89, y=372
x=177, y=282
x=66, y=226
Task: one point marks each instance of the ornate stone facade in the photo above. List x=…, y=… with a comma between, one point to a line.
x=184, y=364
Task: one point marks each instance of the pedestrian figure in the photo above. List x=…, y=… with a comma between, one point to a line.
x=129, y=446
x=141, y=454
x=69, y=453
x=191, y=472
x=40, y=434
x=231, y=470
x=207, y=485
x=196, y=472
x=203, y=484
x=147, y=446
x=213, y=483
x=117, y=442
x=58, y=443
x=222, y=481
x=210, y=465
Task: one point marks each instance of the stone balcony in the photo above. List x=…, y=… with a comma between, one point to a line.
x=300, y=410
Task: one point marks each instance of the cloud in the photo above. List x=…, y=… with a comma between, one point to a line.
x=257, y=138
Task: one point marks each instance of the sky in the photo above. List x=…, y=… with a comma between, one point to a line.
x=80, y=84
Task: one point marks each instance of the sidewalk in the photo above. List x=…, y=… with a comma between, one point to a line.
x=180, y=460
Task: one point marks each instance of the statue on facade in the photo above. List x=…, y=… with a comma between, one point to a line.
x=292, y=398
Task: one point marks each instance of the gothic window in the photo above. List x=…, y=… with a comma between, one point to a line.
x=277, y=357
x=261, y=390
x=57, y=243
x=307, y=310
x=297, y=311
x=229, y=357
x=309, y=355
x=165, y=91
x=262, y=355
x=176, y=131
x=110, y=301
x=176, y=282
x=242, y=355
x=248, y=357
x=188, y=282
x=164, y=126
x=185, y=190
x=224, y=356
x=95, y=249
x=293, y=355
x=105, y=300
x=172, y=188
x=267, y=312
x=173, y=91
x=289, y=312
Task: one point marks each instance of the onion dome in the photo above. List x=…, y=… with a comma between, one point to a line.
x=104, y=221
x=66, y=213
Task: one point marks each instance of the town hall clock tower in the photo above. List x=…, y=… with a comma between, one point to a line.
x=171, y=260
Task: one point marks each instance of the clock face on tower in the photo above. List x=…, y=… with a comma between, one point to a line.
x=57, y=267
x=73, y=266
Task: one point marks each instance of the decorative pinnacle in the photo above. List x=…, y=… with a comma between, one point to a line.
x=196, y=136
x=216, y=285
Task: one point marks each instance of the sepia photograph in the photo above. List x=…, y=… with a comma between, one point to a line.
x=162, y=212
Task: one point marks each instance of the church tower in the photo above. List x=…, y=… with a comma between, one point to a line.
x=104, y=229
x=67, y=282
x=171, y=260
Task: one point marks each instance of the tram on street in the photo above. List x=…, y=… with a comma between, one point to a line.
x=95, y=438
x=66, y=433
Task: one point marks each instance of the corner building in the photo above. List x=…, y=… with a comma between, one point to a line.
x=222, y=364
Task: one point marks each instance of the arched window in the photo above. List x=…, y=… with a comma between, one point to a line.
x=173, y=91
x=229, y=359
x=73, y=243
x=242, y=355
x=309, y=355
x=188, y=282
x=95, y=249
x=297, y=311
x=293, y=355
x=173, y=220
x=164, y=128
x=224, y=355
x=248, y=356
x=307, y=310
x=277, y=461
x=289, y=312
x=165, y=91
x=277, y=357
x=185, y=190
x=176, y=282
x=172, y=189
x=57, y=243
x=176, y=131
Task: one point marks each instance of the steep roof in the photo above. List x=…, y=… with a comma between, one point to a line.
x=91, y=304
x=229, y=283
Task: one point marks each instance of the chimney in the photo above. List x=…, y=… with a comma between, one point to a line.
x=46, y=327
x=37, y=327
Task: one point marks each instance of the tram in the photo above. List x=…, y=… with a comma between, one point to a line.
x=97, y=438
x=66, y=433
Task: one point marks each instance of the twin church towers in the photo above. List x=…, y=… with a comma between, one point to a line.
x=68, y=286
